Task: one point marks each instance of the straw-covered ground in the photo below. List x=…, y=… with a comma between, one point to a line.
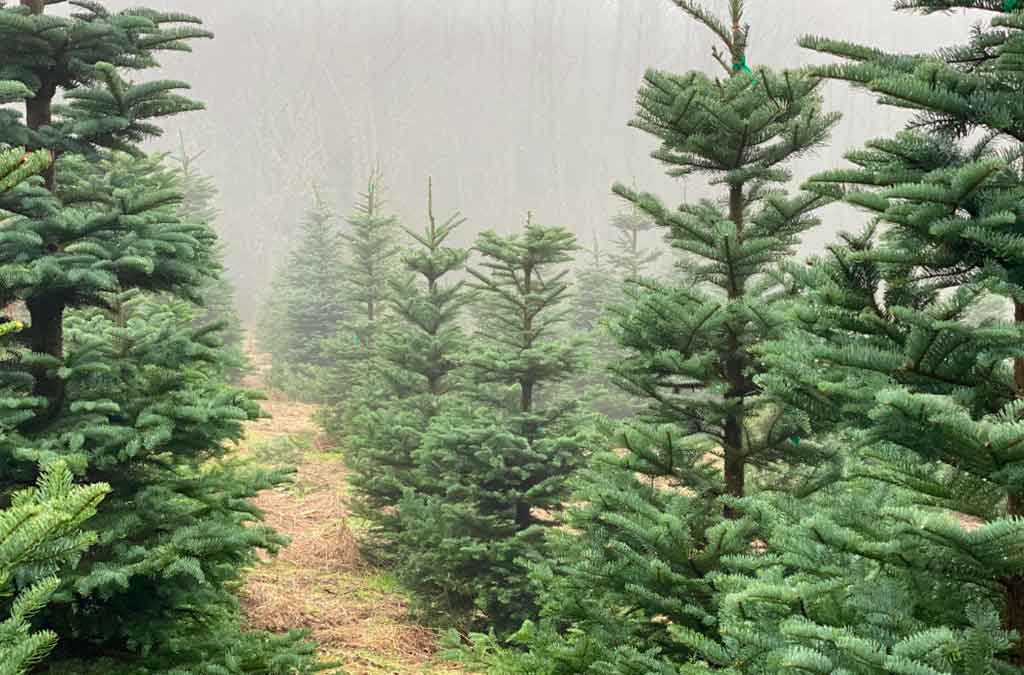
x=357, y=613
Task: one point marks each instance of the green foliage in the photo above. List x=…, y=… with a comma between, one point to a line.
x=371, y=270
x=42, y=529
x=111, y=376
x=217, y=293
x=655, y=521
x=39, y=533
x=307, y=304
x=145, y=408
x=493, y=464
x=911, y=563
x=417, y=356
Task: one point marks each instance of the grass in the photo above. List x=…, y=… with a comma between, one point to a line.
x=359, y=614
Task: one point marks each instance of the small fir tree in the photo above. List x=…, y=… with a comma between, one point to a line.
x=372, y=268
x=494, y=463
x=307, y=304
x=654, y=520
x=596, y=289
x=630, y=258
x=198, y=203
x=417, y=357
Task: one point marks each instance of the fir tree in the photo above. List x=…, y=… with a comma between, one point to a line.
x=929, y=578
x=494, y=463
x=596, y=289
x=308, y=301
x=42, y=528
x=373, y=253
x=417, y=358
x=630, y=259
x=654, y=520
x=371, y=269
x=112, y=397
x=198, y=197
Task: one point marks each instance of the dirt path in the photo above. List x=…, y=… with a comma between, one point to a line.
x=320, y=582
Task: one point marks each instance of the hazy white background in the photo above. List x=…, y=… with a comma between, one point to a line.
x=511, y=105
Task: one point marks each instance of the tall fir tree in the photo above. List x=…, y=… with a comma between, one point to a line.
x=494, y=463
x=417, y=358
x=111, y=397
x=307, y=304
x=655, y=520
x=41, y=529
x=915, y=566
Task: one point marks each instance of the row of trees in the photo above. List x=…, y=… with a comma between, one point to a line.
x=126, y=523
x=823, y=473
x=450, y=386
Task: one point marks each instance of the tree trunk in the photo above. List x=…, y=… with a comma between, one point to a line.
x=46, y=336
x=735, y=461
x=47, y=331
x=523, y=516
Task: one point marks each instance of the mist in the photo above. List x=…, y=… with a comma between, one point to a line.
x=510, y=105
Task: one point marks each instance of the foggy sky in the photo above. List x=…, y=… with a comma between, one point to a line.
x=511, y=105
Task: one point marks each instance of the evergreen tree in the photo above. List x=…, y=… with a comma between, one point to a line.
x=111, y=396
x=371, y=270
x=41, y=529
x=630, y=259
x=417, y=358
x=655, y=520
x=889, y=348
x=373, y=256
x=308, y=302
x=596, y=289
x=599, y=291
x=494, y=462
x=198, y=196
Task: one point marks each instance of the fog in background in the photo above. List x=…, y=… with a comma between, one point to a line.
x=511, y=105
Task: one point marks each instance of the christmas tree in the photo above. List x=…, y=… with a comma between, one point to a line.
x=198, y=197
x=915, y=565
x=124, y=389
x=630, y=258
x=417, y=357
x=655, y=520
x=493, y=464
x=596, y=289
x=307, y=303
x=41, y=529
x=371, y=270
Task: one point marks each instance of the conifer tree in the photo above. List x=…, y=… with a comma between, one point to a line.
x=654, y=520
x=42, y=528
x=373, y=256
x=307, y=305
x=596, y=289
x=927, y=578
x=372, y=267
x=494, y=463
x=198, y=197
x=110, y=394
x=417, y=357
x=630, y=258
